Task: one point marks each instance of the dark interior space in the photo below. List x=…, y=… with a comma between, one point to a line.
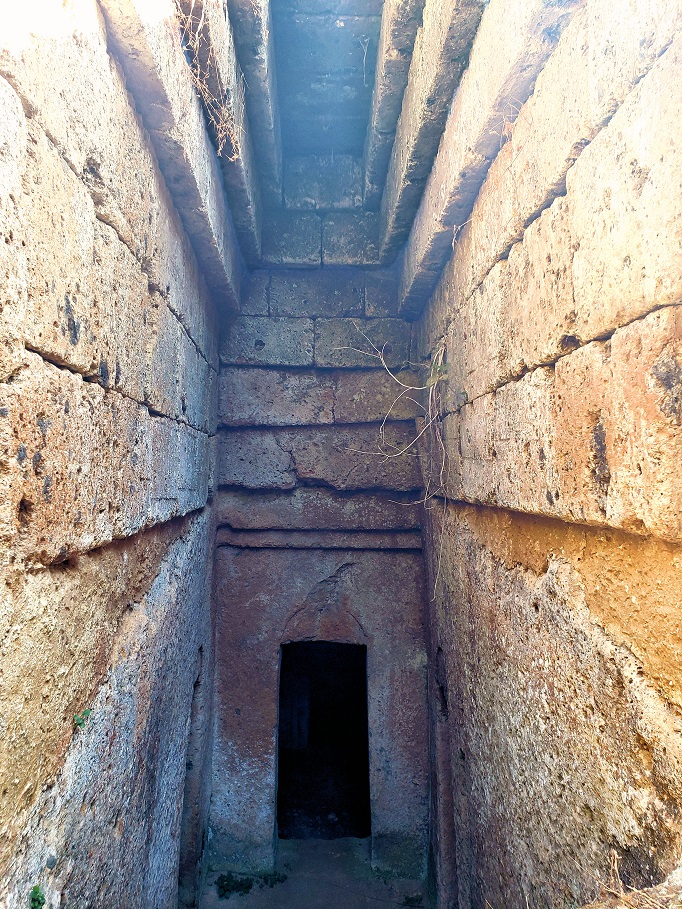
x=323, y=759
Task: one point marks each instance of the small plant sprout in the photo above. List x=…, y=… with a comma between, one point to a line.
x=79, y=719
x=37, y=900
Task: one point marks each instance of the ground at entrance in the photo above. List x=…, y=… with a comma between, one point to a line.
x=322, y=874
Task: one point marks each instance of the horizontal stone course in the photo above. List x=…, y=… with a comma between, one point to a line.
x=306, y=508
x=345, y=458
x=316, y=539
x=85, y=465
x=274, y=397
x=595, y=439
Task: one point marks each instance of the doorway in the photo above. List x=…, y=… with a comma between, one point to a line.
x=323, y=747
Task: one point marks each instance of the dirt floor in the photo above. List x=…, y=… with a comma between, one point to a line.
x=322, y=874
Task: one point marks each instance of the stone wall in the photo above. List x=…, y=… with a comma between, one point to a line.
x=553, y=537
x=108, y=370
x=318, y=539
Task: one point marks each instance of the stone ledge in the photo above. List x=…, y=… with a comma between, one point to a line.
x=316, y=539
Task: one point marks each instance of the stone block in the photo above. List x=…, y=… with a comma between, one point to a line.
x=256, y=294
x=82, y=299
x=255, y=459
x=322, y=509
x=623, y=215
x=399, y=24
x=291, y=238
x=564, y=284
x=273, y=397
x=323, y=183
x=381, y=295
x=370, y=397
x=149, y=45
x=258, y=341
x=354, y=343
x=252, y=25
x=350, y=238
x=85, y=465
x=103, y=625
x=214, y=56
x=345, y=458
x=556, y=710
x=330, y=293
x=594, y=439
x=618, y=440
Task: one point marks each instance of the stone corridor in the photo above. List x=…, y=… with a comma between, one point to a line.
x=349, y=329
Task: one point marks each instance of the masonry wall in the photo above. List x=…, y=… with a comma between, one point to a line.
x=318, y=539
x=553, y=537
x=108, y=368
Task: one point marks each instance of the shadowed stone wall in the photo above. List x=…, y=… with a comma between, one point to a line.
x=318, y=539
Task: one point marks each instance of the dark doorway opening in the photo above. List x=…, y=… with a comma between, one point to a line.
x=323, y=756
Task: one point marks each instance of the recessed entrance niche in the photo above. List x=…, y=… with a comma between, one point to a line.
x=323, y=753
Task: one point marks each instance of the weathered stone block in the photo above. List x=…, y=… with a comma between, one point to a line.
x=255, y=294
x=258, y=341
x=623, y=214
x=85, y=465
x=370, y=397
x=322, y=509
x=440, y=53
x=272, y=397
x=332, y=293
x=324, y=183
x=255, y=459
x=359, y=457
x=531, y=168
x=595, y=439
x=291, y=238
x=553, y=711
x=104, y=625
x=350, y=343
x=618, y=440
x=350, y=238
x=399, y=23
